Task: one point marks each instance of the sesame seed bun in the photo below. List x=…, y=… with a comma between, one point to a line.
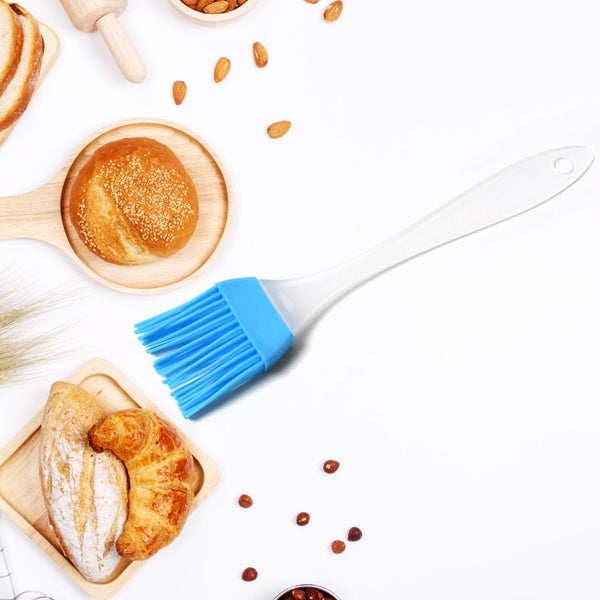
x=133, y=202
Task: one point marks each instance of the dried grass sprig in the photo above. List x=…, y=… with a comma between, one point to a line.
x=24, y=343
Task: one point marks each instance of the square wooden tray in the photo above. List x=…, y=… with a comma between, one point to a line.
x=51, y=49
x=21, y=492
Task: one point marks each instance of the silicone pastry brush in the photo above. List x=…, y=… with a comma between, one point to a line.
x=242, y=327
x=89, y=15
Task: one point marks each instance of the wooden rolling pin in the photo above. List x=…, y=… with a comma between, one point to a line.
x=89, y=15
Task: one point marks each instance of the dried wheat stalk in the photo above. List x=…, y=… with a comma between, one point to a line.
x=22, y=346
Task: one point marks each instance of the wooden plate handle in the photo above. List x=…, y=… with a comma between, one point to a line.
x=120, y=46
x=34, y=215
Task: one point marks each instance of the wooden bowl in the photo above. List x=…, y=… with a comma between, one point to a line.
x=207, y=19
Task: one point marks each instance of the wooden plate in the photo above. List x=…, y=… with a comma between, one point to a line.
x=51, y=48
x=43, y=214
x=20, y=489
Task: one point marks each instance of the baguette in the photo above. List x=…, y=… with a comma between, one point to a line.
x=11, y=44
x=17, y=94
x=85, y=492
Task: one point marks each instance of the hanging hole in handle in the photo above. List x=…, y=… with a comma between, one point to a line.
x=563, y=166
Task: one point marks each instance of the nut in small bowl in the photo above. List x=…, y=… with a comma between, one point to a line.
x=213, y=12
x=307, y=592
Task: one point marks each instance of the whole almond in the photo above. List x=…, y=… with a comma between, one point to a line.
x=201, y=4
x=261, y=56
x=333, y=11
x=179, y=91
x=278, y=129
x=240, y=2
x=190, y=3
x=312, y=1
x=215, y=8
x=222, y=68
x=231, y=4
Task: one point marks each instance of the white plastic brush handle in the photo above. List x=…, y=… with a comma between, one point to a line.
x=508, y=193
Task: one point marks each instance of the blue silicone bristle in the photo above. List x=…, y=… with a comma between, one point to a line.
x=215, y=342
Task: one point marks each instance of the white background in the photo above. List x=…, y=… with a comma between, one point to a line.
x=460, y=392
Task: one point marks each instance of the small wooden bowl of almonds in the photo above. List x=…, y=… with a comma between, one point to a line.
x=213, y=12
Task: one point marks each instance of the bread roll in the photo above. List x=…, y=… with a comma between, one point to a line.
x=161, y=478
x=85, y=492
x=11, y=44
x=19, y=90
x=133, y=202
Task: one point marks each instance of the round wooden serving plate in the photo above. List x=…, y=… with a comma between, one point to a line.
x=43, y=214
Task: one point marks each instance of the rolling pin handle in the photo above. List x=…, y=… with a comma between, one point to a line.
x=120, y=46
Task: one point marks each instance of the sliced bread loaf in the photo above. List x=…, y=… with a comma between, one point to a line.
x=17, y=94
x=11, y=44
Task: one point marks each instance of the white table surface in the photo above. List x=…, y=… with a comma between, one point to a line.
x=460, y=392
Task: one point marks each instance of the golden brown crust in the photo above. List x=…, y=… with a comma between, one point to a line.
x=34, y=70
x=133, y=202
x=161, y=478
x=17, y=46
x=85, y=492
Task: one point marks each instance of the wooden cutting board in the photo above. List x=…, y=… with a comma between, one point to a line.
x=21, y=492
x=51, y=49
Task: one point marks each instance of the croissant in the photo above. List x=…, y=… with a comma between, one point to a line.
x=161, y=478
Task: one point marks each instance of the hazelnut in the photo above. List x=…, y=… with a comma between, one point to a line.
x=298, y=595
x=249, y=574
x=302, y=519
x=331, y=466
x=354, y=534
x=245, y=501
x=338, y=546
